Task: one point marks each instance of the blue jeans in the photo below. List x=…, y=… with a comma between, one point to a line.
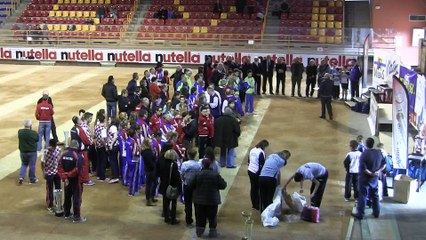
x=249, y=102
x=28, y=159
x=227, y=156
x=111, y=109
x=370, y=190
x=43, y=130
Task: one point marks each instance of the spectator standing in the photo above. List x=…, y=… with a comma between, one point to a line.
x=280, y=68
x=323, y=68
x=297, y=70
x=109, y=92
x=44, y=113
x=351, y=164
x=256, y=161
x=206, y=185
x=28, y=140
x=355, y=75
x=325, y=92
x=371, y=163
x=49, y=166
x=268, y=71
x=53, y=125
x=188, y=171
x=257, y=74
x=227, y=131
x=311, y=77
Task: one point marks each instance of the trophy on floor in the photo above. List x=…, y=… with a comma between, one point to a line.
x=59, y=211
x=67, y=136
x=248, y=225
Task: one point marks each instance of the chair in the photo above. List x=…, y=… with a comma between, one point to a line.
x=338, y=25
x=86, y=14
x=338, y=40
x=78, y=27
x=67, y=2
x=232, y=9
x=314, y=24
x=85, y=28
x=92, y=28
x=196, y=29
x=223, y=16
x=330, y=17
x=204, y=30
x=185, y=15
x=79, y=14
x=51, y=14
x=58, y=13
x=64, y=27
x=331, y=4
x=315, y=17
x=80, y=2
x=94, y=2
x=107, y=2
x=330, y=39
x=323, y=10
x=87, y=2
x=96, y=21
x=65, y=14
x=330, y=24
x=60, y=1
x=322, y=39
x=315, y=10
x=322, y=17
x=92, y=14
x=73, y=2
x=181, y=8
x=72, y=14
x=322, y=24
x=57, y=27
x=50, y=27
x=101, y=2
x=321, y=32
x=339, y=4
x=314, y=32
x=55, y=7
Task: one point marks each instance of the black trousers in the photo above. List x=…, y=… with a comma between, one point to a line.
x=187, y=194
x=203, y=142
x=336, y=92
x=92, y=157
x=151, y=185
x=169, y=213
x=113, y=159
x=254, y=190
x=351, y=182
x=51, y=181
x=267, y=77
x=267, y=187
x=296, y=80
x=317, y=198
x=280, y=80
x=101, y=162
x=354, y=89
x=72, y=196
x=310, y=85
x=53, y=128
x=204, y=213
x=257, y=81
x=326, y=103
x=242, y=95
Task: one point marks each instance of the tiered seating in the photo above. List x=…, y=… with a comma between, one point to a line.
x=313, y=21
x=195, y=19
x=58, y=15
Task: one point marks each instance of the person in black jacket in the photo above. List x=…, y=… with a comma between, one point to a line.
x=132, y=84
x=124, y=103
x=268, y=72
x=109, y=92
x=297, y=70
x=311, y=76
x=280, y=68
x=190, y=129
x=245, y=67
x=206, y=185
x=149, y=159
x=326, y=92
x=227, y=130
x=166, y=164
x=257, y=73
x=177, y=76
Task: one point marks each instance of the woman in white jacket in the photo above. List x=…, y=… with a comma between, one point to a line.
x=256, y=160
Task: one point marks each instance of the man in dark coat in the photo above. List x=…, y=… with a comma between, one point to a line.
x=227, y=131
x=109, y=92
x=206, y=185
x=325, y=92
x=257, y=73
x=297, y=70
x=268, y=71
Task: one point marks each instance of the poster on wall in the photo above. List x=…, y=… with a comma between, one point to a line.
x=372, y=116
x=409, y=79
x=385, y=65
x=420, y=104
x=399, y=125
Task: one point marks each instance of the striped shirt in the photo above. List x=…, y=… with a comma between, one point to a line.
x=87, y=130
x=50, y=159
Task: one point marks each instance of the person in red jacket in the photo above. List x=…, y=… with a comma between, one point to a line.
x=205, y=129
x=156, y=120
x=44, y=113
x=69, y=170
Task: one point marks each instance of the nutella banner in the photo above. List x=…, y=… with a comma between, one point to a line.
x=386, y=64
x=149, y=56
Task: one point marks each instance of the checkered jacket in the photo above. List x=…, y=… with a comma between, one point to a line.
x=51, y=160
x=98, y=135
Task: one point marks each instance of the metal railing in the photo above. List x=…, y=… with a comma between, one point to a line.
x=351, y=40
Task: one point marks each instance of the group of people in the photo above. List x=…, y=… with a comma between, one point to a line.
x=265, y=174
x=154, y=137
x=365, y=166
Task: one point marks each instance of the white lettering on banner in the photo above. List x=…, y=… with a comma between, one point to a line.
x=151, y=56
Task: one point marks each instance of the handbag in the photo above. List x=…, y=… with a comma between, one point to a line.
x=310, y=214
x=171, y=192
